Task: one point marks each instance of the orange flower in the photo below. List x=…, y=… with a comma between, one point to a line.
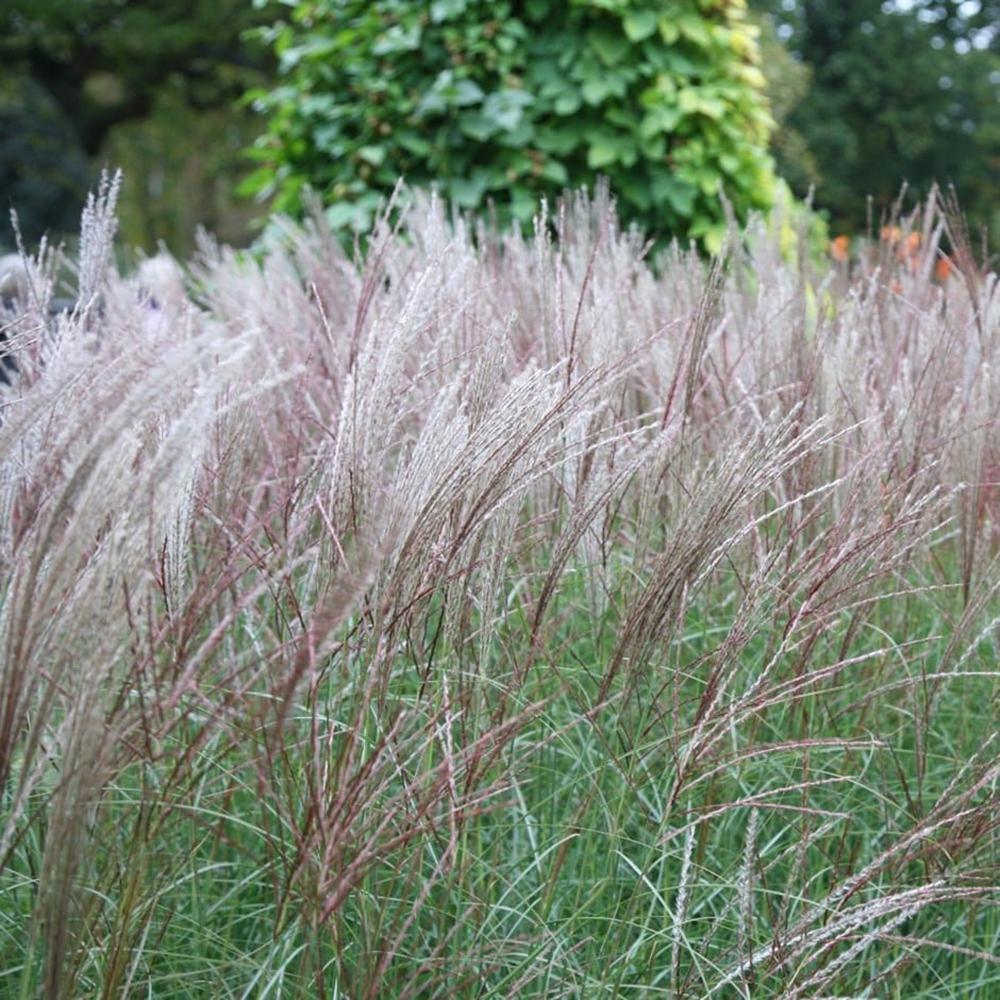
x=908, y=250
x=840, y=248
x=943, y=269
x=890, y=234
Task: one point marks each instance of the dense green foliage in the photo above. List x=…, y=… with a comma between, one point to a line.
x=864, y=95
x=898, y=93
x=498, y=103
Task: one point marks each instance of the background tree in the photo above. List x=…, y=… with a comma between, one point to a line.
x=500, y=102
x=134, y=83
x=788, y=82
x=43, y=170
x=900, y=91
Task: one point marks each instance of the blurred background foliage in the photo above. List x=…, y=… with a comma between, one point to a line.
x=864, y=96
x=904, y=91
x=152, y=86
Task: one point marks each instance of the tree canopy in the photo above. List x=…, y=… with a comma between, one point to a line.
x=899, y=92
x=76, y=71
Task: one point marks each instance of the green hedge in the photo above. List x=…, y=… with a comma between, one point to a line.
x=503, y=102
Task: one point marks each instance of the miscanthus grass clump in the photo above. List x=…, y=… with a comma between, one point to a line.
x=502, y=616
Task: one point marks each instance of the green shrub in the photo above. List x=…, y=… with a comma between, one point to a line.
x=502, y=102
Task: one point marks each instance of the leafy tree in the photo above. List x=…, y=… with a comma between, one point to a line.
x=104, y=61
x=89, y=67
x=502, y=102
x=35, y=133
x=899, y=92
x=788, y=82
